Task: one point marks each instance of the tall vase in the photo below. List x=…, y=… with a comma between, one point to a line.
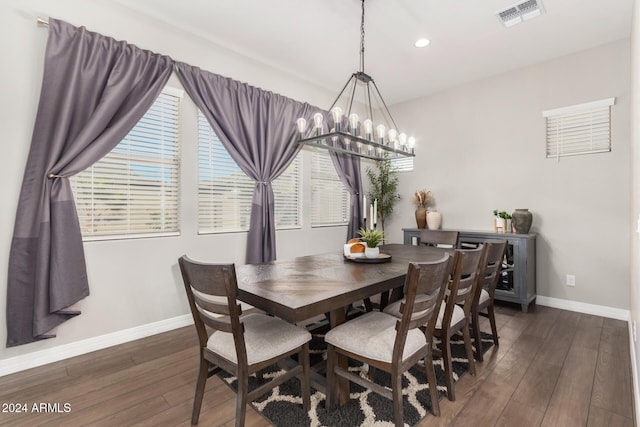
x=421, y=217
x=434, y=219
x=521, y=221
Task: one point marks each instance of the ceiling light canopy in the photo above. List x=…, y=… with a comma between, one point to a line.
x=363, y=128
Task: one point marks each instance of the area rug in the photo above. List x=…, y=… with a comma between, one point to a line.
x=283, y=405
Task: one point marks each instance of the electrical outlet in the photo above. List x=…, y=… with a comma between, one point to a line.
x=571, y=280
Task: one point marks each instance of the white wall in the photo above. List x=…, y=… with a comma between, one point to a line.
x=634, y=294
x=481, y=148
x=132, y=282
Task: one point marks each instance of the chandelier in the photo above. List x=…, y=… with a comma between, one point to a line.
x=341, y=129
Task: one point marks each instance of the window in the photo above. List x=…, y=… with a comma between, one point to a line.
x=402, y=164
x=330, y=199
x=225, y=191
x=133, y=190
x=579, y=129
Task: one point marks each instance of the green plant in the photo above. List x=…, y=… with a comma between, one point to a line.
x=384, y=188
x=371, y=237
x=501, y=214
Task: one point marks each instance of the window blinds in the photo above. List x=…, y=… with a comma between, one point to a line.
x=225, y=191
x=133, y=190
x=579, y=129
x=330, y=199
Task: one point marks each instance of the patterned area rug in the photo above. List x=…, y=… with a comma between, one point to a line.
x=283, y=405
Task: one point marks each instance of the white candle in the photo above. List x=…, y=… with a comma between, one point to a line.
x=371, y=216
x=375, y=211
x=364, y=207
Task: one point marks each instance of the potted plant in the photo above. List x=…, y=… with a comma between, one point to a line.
x=384, y=189
x=371, y=238
x=500, y=221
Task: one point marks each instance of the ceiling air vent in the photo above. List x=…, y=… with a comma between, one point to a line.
x=520, y=12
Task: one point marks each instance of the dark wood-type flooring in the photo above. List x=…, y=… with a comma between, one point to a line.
x=552, y=368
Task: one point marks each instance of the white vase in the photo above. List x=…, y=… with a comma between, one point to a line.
x=371, y=252
x=434, y=219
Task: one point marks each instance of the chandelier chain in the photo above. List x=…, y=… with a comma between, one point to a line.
x=362, y=39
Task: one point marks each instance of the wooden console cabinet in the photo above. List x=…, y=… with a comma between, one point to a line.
x=518, y=280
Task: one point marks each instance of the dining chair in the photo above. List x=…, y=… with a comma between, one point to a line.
x=239, y=344
x=483, y=298
x=455, y=312
x=392, y=344
x=440, y=238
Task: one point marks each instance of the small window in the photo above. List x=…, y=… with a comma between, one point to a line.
x=330, y=199
x=133, y=190
x=402, y=164
x=225, y=191
x=579, y=129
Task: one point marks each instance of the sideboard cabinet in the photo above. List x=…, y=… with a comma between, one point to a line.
x=518, y=279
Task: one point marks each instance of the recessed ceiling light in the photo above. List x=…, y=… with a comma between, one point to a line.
x=422, y=42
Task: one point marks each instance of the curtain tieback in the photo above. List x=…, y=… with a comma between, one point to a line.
x=263, y=182
x=53, y=175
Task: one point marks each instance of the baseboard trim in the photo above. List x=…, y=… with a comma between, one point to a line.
x=581, y=307
x=634, y=371
x=65, y=351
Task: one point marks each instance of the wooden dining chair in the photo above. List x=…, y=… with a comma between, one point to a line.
x=455, y=312
x=239, y=344
x=483, y=298
x=390, y=344
x=440, y=238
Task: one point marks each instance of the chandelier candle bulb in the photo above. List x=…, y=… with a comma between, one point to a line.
x=302, y=126
x=368, y=129
x=393, y=135
x=336, y=112
x=380, y=131
x=317, y=122
x=353, y=122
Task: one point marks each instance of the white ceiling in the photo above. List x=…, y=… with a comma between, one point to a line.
x=318, y=40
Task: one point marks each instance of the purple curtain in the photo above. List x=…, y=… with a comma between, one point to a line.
x=348, y=168
x=94, y=91
x=258, y=130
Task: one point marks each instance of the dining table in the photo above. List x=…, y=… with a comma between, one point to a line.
x=307, y=286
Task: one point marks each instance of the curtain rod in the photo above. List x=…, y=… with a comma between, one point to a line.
x=42, y=21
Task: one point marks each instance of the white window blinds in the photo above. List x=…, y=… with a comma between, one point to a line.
x=579, y=129
x=225, y=191
x=330, y=199
x=402, y=164
x=133, y=190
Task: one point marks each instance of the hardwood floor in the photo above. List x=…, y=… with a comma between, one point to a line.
x=552, y=368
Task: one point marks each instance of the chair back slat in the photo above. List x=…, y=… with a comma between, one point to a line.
x=217, y=322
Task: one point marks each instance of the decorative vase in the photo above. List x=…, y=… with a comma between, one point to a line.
x=371, y=252
x=521, y=221
x=434, y=219
x=421, y=217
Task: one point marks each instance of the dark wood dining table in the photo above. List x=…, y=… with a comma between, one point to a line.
x=301, y=288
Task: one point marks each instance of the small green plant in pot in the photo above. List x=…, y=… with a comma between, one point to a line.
x=500, y=221
x=371, y=238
